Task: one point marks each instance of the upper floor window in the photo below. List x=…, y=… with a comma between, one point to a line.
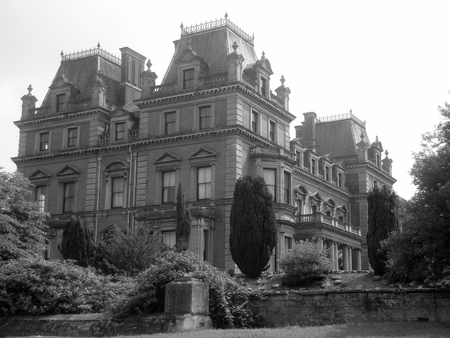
x=117, y=192
x=270, y=178
x=287, y=187
x=254, y=121
x=168, y=191
x=69, y=197
x=72, y=137
x=169, y=238
x=298, y=158
x=205, y=117
x=263, y=86
x=313, y=166
x=378, y=161
x=60, y=102
x=169, y=123
x=339, y=180
x=120, y=131
x=272, y=131
x=204, y=183
x=40, y=197
x=188, y=78
x=44, y=141
x=327, y=173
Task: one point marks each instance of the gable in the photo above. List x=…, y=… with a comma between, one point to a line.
x=68, y=170
x=39, y=174
x=202, y=152
x=167, y=157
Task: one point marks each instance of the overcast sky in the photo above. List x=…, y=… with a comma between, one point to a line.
x=387, y=61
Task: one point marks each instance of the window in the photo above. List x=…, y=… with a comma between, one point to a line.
x=298, y=157
x=287, y=188
x=40, y=197
x=60, y=102
x=204, y=183
x=72, y=136
x=120, y=131
x=287, y=243
x=263, y=86
x=69, y=197
x=188, y=78
x=339, y=180
x=168, y=193
x=169, y=238
x=378, y=163
x=313, y=166
x=272, y=131
x=270, y=178
x=117, y=192
x=254, y=122
x=205, y=117
x=44, y=141
x=327, y=173
x=169, y=123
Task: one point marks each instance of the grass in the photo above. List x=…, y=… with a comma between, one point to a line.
x=366, y=330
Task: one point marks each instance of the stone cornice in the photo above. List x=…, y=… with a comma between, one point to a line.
x=142, y=104
x=373, y=169
x=60, y=117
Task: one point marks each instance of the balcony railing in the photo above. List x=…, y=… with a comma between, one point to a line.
x=268, y=152
x=71, y=107
x=319, y=218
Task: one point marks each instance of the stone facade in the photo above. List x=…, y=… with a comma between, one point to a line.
x=111, y=146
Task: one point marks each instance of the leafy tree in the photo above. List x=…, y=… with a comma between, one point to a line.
x=77, y=242
x=22, y=228
x=253, y=232
x=421, y=250
x=132, y=251
x=382, y=221
x=183, y=230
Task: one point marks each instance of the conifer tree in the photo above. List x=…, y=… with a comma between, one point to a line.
x=382, y=221
x=183, y=230
x=77, y=243
x=253, y=231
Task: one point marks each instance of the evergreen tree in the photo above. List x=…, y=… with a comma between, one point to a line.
x=253, y=232
x=77, y=243
x=382, y=221
x=183, y=230
x=22, y=228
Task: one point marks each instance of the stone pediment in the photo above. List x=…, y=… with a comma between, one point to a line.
x=68, y=170
x=316, y=196
x=167, y=157
x=39, y=174
x=202, y=152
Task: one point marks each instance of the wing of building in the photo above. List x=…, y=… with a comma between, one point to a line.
x=111, y=146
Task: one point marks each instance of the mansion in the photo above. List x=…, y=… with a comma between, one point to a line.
x=110, y=145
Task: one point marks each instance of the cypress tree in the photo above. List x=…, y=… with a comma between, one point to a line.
x=76, y=242
x=183, y=230
x=382, y=207
x=253, y=233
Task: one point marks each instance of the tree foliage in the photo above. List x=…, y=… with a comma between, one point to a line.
x=183, y=229
x=382, y=205
x=132, y=251
x=421, y=250
x=253, y=233
x=22, y=228
x=77, y=243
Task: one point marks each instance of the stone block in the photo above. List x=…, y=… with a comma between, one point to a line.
x=187, y=295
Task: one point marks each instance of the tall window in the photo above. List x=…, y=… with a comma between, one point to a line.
x=339, y=180
x=263, y=86
x=313, y=166
x=287, y=243
x=188, y=78
x=205, y=117
x=270, y=178
x=117, y=192
x=44, y=141
x=40, y=197
x=254, y=121
x=69, y=197
x=327, y=173
x=204, y=183
x=272, y=131
x=287, y=187
x=169, y=238
x=169, y=123
x=168, y=193
x=120, y=131
x=72, y=135
x=299, y=157
x=60, y=102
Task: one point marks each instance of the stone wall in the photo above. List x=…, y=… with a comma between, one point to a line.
x=309, y=308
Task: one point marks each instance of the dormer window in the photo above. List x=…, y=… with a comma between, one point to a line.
x=188, y=78
x=339, y=180
x=120, y=131
x=60, y=102
x=327, y=173
x=313, y=166
x=263, y=86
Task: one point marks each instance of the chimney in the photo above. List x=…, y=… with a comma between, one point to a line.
x=283, y=93
x=130, y=79
x=299, y=132
x=28, y=104
x=309, y=130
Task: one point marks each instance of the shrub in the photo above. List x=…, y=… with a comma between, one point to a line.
x=227, y=299
x=55, y=287
x=306, y=262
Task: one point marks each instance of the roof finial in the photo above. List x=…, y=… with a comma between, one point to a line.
x=98, y=45
x=282, y=80
x=235, y=46
x=362, y=136
x=62, y=54
x=350, y=111
x=376, y=138
x=386, y=153
x=226, y=16
x=149, y=64
x=29, y=90
x=263, y=56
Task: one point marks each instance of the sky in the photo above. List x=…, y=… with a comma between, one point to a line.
x=386, y=61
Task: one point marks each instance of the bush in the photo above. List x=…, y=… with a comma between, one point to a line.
x=306, y=262
x=55, y=287
x=227, y=299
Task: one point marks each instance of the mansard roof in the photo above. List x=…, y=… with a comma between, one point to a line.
x=212, y=42
x=83, y=70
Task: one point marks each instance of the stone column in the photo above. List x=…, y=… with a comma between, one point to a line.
x=345, y=257
x=358, y=259
x=350, y=258
x=336, y=255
